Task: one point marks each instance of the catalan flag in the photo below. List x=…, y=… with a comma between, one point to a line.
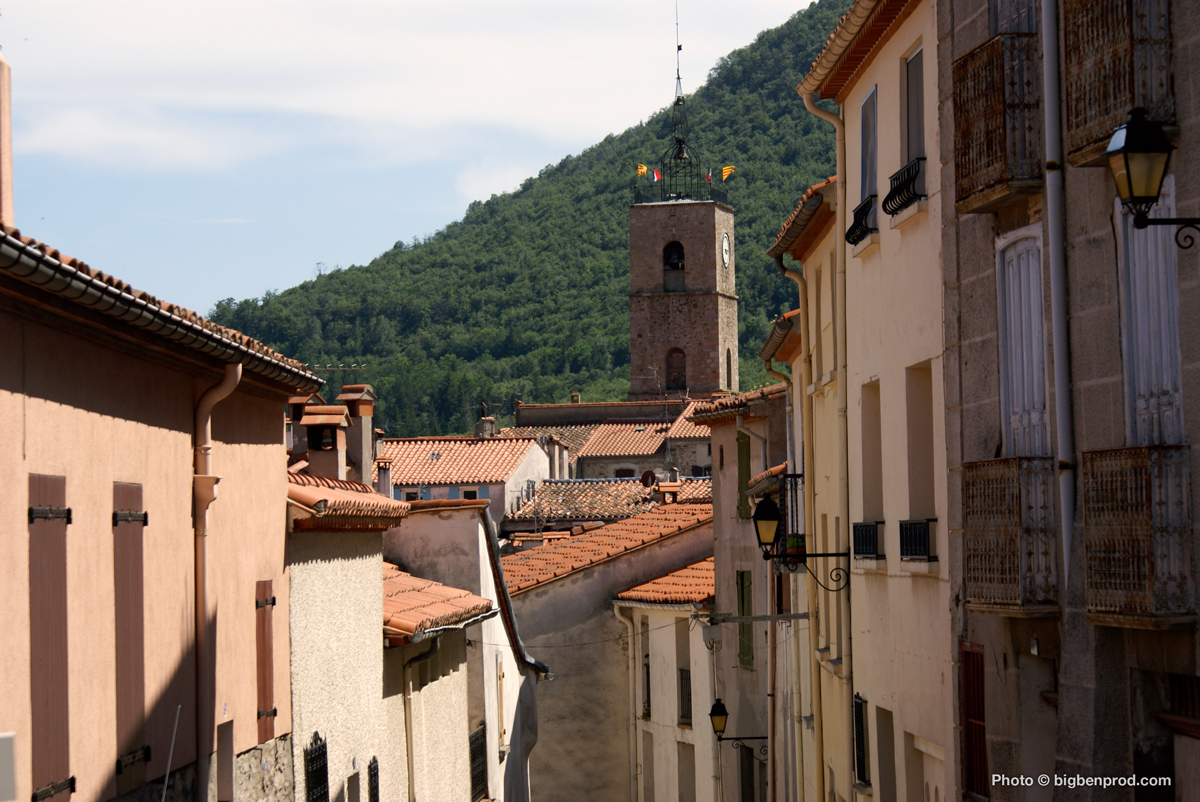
x=641, y=169
x=726, y=172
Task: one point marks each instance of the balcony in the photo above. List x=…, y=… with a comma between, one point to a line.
x=866, y=540
x=1137, y=532
x=1009, y=552
x=864, y=224
x=1117, y=56
x=997, y=91
x=907, y=187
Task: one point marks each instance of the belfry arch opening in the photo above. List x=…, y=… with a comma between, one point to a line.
x=676, y=370
x=673, y=263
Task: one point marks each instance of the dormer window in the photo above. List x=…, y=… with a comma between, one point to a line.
x=673, y=267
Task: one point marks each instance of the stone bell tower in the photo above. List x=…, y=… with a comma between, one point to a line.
x=682, y=304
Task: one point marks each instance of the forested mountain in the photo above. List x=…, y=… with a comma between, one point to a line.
x=526, y=295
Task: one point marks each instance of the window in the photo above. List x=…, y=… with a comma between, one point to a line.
x=683, y=666
x=1150, y=326
x=673, y=268
x=316, y=770
x=1022, y=349
x=687, y=771
x=720, y=457
x=743, y=446
x=411, y=495
x=745, y=606
x=919, y=397
x=860, y=741
x=914, y=96
x=783, y=595
x=644, y=639
x=729, y=369
x=676, y=370
x=470, y=495
x=872, y=453
x=975, y=771
x=623, y=473
x=868, y=161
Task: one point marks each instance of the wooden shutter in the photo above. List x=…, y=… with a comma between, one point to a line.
x=48, y=681
x=1023, y=350
x=128, y=521
x=975, y=763
x=869, y=160
x=743, y=446
x=915, y=96
x=264, y=604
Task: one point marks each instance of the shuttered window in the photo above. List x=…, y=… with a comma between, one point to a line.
x=743, y=446
x=1022, y=349
x=861, y=773
x=975, y=763
x=1150, y=326
x=869, y=154
x=745, y=606
x=48, y=680
x=914, y=90
x=264, y=605
x=128, y=520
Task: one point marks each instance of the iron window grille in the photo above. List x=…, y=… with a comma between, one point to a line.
x=860, y=741
x=479, y=778
x=907, y=187
x=916, y=541
x=864, y=221
x=316, y=770
x=373, y=780
x=685, y=696
x=866, y=540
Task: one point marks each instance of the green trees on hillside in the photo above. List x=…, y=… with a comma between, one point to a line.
x=526, y=295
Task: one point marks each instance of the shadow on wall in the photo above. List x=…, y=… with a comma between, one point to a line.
x=525, y=727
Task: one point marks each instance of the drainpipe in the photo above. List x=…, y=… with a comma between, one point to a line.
x=814, y=620
x=628, y=622
x=423, y=657
x=204, y=491
x=1064, y=417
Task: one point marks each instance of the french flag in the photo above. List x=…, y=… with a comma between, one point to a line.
x=657, y=175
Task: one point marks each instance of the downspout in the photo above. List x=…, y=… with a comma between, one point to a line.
x=761, y=440
x=628, y=622
x=423, y=657
x=204, y=491
x=809, y=527
x=1064, y=417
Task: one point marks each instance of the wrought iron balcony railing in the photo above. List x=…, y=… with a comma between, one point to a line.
x=996, y=97
x=1009, y=552
x=864, y=224
x=866, y=540
x=907, y=187
x=1117, y=56
x=916, y=540
x=1137, y=529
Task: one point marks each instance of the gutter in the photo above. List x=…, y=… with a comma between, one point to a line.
x=437, y=632
x=48, y=273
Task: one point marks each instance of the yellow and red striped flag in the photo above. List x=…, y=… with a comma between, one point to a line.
x=641, y=169
x=726, y=172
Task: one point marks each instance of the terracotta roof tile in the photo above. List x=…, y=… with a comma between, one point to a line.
x=691, y=585
x=684, y=429
x=766, y=480
x=729, y=406
x=412, y=605
x=600, y=499
x=342, y=504
x=800, y=218
x=536, y=566
x=335, y=415
x=454, y=460
x=571, y=436
x=625, y=440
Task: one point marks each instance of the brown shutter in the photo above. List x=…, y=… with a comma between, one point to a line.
x=48, y=686
x=129, y=601
x=264, y=603
x=975, y=772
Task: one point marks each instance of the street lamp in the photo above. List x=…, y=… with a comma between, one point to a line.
x=766, y=524
x=1138, y=155
x=719, y=716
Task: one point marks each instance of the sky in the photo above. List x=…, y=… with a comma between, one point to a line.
x=230, y=148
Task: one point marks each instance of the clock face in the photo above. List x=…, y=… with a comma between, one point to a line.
x=725, y=249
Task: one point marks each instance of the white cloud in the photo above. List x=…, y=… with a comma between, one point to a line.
x=162, y=85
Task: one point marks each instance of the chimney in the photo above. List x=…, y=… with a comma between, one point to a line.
x=325, y=429
x=485, y=427
x=360, y=437
x=296, y=405
x=383, y=477
x=575, y=398
x=6, y=182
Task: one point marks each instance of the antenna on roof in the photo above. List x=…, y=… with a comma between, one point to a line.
x=678, y=50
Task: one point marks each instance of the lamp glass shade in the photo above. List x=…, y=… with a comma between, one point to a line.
x=719, y=716
x=1138, y=155
x=766, y=522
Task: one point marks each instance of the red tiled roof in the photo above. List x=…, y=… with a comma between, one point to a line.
x=107, y=294
x=853, y=44
x=600, y=499
x=625, y=440
x=438, y=504
x=342, y=504
x=459, y=460
x=412, y=605
x=691, y=585
x=335, y=415
x=799, y=232
x=533, y=567
x=571, y=436
x=766, y=480
x=726, y=408
x=684, y=429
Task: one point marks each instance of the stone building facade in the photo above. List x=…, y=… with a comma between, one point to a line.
x=682, y=301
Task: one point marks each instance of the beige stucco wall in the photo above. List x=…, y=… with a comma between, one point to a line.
x=75, y=403
x=337, y=661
